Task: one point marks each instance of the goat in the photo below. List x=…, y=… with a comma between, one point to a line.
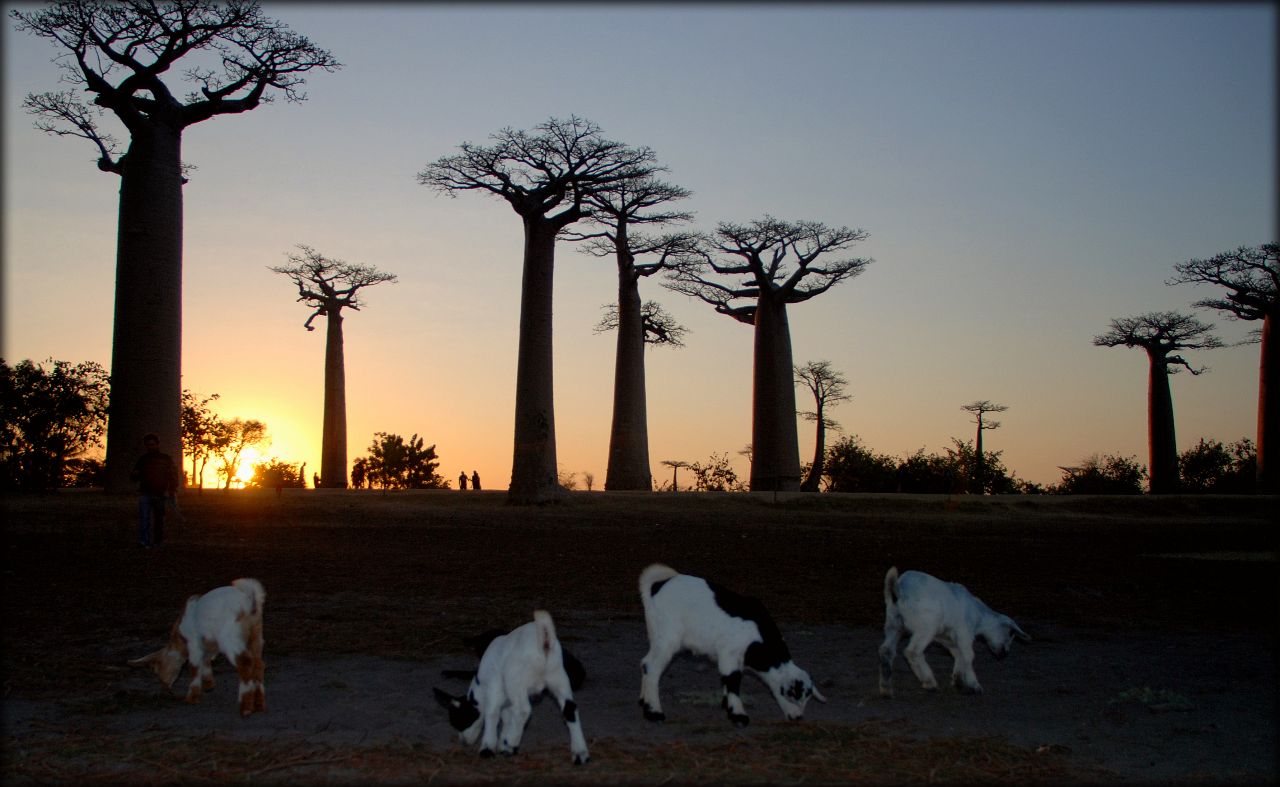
x=227, y=620
x=931, y=610
x=683, y=612
x=514, y=667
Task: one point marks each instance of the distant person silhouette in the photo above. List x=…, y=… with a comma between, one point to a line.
x=157, y=481
x=475, y=480
x=315, y=480
x=462, y=481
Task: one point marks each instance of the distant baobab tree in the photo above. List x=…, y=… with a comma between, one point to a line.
x=118, y=52
x=546, y=176
x=675, y=465
x=769, y=264
x=1161, y=334
x=328, y=286
x=615, y=211
x=827, y=386
x=979, y=409
x=1251, y=277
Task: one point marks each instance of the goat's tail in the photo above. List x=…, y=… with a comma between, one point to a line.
x=254, y=590
x=891, y=588
x=650, y=576
x=546, y=630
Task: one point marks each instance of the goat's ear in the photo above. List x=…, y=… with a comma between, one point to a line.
x=147, y=660
x=1017, y=632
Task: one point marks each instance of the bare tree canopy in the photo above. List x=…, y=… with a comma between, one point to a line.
x=235, y=59
x=328, y=286
x=980, y=408
x=1161, y=334
x=828, y=387
x=1250, y=275
x=547, y=176
x=660, y=327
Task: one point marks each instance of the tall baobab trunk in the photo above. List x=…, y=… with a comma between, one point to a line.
x=819, y=452
x=979, y=484
x=775, y=447
x=333, y=441
x=629, y=433
x=1160, y=428
x=1268, y=409
x=146, y=347
x=533, y=466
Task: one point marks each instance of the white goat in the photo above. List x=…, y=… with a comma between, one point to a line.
x=931, y=610
x=226, y=619
x=683, y=612
x=514, y=667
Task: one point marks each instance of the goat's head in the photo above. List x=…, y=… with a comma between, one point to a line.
x=792, y=688
x=999, y=632
x=166, y=663
x=462, y=710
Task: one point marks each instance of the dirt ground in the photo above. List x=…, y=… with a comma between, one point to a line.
x=1153, y=660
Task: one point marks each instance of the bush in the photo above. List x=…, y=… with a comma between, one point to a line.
x=1211, y=467
x=1105, y=475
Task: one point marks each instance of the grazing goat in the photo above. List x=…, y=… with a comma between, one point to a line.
x=226, y=619
x=682, y=612
x=514, y=667
x=931, y=610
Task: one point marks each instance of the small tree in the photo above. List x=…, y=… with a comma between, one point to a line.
x=752, y=273
x=716, y=475
x=396, y=463
x=849, y=466
x=979, y=409
x=827, y=387
x=675, y=465
x=1211, y=467
x=274, y=473
x=48, y=418
x=1102, y=475
x=328, y=286
x=230, y=440
x=200, y=427
x=1251, y=277
x=1161, y=334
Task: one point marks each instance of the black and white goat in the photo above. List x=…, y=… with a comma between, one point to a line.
x=226, y=619
x=515, y=667
x=931, y=610
x=683, y=612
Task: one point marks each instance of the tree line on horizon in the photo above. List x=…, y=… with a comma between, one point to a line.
x=566, y=182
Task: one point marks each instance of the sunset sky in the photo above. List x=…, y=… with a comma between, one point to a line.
x=1025, y=173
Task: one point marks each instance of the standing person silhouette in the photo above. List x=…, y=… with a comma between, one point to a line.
x=475, y=480
x=157, y=481
x=462, y=481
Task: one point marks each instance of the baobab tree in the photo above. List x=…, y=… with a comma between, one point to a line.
x=614, y=211
x=979, y=409
x=769, y=264
x=328, y=286
x=546, y=176
x=675, y=465
x=119, y=52
x=1251, y=277
x=827, y=386
x=1161, y=334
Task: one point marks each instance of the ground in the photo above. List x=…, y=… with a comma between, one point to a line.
x=1153, y=620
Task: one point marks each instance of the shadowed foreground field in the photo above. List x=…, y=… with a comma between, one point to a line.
x=387, y=584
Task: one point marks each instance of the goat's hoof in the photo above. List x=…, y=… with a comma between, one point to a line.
x=580, y=759
x=886, y=691
x=652, y=715
x=739, y=720
x=486, y=753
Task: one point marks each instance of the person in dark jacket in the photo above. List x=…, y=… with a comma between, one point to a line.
x=157, y=481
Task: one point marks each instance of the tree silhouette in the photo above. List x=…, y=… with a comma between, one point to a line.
x=1251, y=277
x=827, y=387
x=328, y=286
x=770, y=264
x=979, y=409
x=199, y=429
x=675, y=465
x=119, y=52
x=545, y=175
x=230, y=440
x=615, y=210
x=1161, y=334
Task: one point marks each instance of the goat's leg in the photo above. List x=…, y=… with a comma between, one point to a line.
x=651, y=667
x=915, y=657
x=888, y=652
x=962, y=675
x=731, y=683
x=558, y=685
x=514, y=717
x=259, y=671
x=200, y=666
x=491, y=713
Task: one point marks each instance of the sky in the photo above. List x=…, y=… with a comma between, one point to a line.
x=1024, y=173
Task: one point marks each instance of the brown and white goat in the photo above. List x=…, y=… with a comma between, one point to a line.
x=227, y=620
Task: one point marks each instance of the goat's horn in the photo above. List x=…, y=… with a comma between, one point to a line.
x=817, y=695
x=143, y=661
